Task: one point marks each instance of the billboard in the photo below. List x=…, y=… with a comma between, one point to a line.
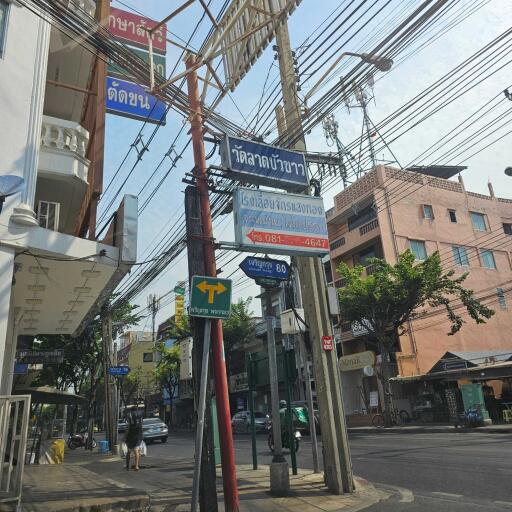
x=131, y=100
x=279, y=223
x=130, y=28
x=262, y=164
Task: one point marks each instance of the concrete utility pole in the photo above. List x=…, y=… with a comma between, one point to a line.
x=106, y=335
x=337, y=463
x=154, y=306
x=231, y=498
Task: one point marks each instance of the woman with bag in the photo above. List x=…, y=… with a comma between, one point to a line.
x=133, y=438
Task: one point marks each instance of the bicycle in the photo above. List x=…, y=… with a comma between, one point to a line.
x=397, y=418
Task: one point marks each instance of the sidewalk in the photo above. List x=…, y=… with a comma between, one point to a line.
x=94, y=483
x=432, y=429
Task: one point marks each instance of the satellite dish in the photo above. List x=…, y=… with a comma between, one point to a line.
x=10, y=185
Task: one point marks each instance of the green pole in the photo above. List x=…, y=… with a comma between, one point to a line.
x=251, y=409
x=291, y=436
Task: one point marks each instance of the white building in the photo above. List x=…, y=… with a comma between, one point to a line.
x=51, y=134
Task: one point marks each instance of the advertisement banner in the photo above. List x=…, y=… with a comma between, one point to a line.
x=262, y=164
x=179, y=308
x=127, y=99
x=130, y=28
x=279, y=223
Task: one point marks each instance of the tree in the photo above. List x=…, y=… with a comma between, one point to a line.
x=394, y=294
x=167, y=371
x=238, y=329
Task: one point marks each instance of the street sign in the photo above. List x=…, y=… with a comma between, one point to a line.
x=20, y=368
x=179, y=290
x=279, y=223
x=267, y=282
x=158, y=63
x=328, y=342
x=40, y=356
x=119, y=371
x=130, y=28
x=210, y=297
x=262, y=164
x=255, y=268
x=127, y=99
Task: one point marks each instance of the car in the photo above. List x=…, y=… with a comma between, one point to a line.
x=241, y=421
x=154, y=428
x=122, y=425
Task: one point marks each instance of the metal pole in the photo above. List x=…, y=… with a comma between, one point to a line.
x=289, y=419
x=250, y=376
x=115, y=402
x=231, y=499
x=200, y=415
x=106, y=341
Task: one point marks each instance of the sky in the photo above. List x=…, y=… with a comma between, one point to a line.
x=391, y=90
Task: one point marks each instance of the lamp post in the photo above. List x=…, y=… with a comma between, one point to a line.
x=380, y=62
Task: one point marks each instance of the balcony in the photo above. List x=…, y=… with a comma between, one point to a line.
x=63, y=168
x=370, y=226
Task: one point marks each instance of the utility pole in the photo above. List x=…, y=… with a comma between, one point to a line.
x=231, y=498
x=337, y=463
x=106, y=334
x=154, y=306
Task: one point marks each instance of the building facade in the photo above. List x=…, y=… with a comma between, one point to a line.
x=388, y=211
x=53, y=279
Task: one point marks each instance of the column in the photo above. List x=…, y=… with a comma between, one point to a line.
x=24, y=212
x=6, y=271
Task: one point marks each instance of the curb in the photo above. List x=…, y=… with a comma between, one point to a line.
x=426, y=430
x=136, y=503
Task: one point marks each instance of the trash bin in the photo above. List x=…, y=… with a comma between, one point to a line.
x=103, y=447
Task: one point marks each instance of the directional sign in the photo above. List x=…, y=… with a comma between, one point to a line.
x=262, y=164
x=256, y=268
x=210, y=297
x=279, y=223
x=119, y=371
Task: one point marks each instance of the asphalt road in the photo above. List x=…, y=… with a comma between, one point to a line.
x=425, y=472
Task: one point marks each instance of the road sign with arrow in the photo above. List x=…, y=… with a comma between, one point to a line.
x=210, y=297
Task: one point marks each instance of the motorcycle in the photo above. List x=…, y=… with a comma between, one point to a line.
x=284, y=438
x=471, y=418
x=79, y=441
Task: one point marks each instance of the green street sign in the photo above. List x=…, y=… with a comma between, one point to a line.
x=158, y=62
x=179, y=290
x=210, y=297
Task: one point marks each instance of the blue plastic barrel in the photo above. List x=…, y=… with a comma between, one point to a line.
x=104, y=446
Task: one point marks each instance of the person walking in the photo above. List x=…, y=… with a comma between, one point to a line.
x=133, y=438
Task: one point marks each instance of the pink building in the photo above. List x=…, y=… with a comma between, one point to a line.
x=389, y=210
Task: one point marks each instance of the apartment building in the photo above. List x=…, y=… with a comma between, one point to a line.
x=53, y=280
x=388, y=211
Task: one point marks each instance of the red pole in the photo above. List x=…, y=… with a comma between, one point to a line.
x=231, y=500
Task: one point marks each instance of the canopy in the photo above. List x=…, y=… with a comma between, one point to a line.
x=49, y=395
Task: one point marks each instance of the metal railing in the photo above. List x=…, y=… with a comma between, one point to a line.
x=369, y=226
x=14, y=417
x=337, y=243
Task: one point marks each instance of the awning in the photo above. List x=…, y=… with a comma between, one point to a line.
x=49, y=395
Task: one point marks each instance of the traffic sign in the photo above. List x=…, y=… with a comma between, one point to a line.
x=210, y=297
x=119, y=371
x=256, y=268
x=328, y=342
x=267, y=282
x=179, y=290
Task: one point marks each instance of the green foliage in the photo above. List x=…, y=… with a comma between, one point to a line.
x=394, y=294
x=167, y=370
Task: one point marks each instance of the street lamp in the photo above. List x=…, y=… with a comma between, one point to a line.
x=380, y=62
x=508, y=171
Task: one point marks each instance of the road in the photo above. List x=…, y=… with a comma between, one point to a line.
x=425, y=471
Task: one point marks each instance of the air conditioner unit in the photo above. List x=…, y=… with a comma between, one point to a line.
x=290, y=324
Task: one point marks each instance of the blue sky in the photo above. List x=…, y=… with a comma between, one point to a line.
x=391, y=90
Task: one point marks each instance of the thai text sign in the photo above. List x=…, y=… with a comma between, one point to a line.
x=279, y=223
x=357, y=361
x=131, y=100
x=264, y=165
x=328, y=343
x=119, y=371
x=210, y=297
x=130, y=28
x=257, y=268
x=158, y=62
x=40, y=356
x=179, y=308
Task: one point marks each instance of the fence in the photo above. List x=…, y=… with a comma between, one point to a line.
x=14, y=417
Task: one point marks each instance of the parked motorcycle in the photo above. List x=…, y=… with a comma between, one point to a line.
x=79, y=441
x=284, y=439
x=471, y=418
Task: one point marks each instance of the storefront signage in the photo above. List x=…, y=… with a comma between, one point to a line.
x=238, y=382
x=279, y=223
x=127, y=99
x=328, y=342
x=357, y=361
x=40, y=356
x=130, y=28
x=262, y=164
x=179, y=309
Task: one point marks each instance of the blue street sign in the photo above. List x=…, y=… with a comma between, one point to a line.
x=262, y=164
x=131, y=100
x=265, y=268
x=20, y=368
x=119, y=371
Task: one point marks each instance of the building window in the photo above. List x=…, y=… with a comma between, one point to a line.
x=4, y=12
x=453, y=216
x=507, y=228
x=48, y=214
x=501, y=298
x=147, y=357
x=487, y=258
x=418, y=249
x=478, y=220
x=428, y=212
x=460, y=255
